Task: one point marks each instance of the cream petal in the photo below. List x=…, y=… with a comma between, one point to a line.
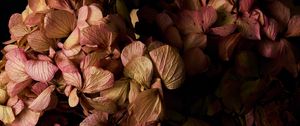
x=42, y=71
x=132, y=50
x=293, y=26
x=7, y=115
x=73, y=39
x=37, y=5
x=97, y=79
x=92, y=59
x=95, y=119
x=94, y=15
x=43, y=100
x=73, y=98
x=118, y=93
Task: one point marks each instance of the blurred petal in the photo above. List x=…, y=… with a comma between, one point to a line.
x=26, y=118
x=147, y=107
x=271, y=29
x=173, y=37
x=72, y=51
x=10, y=47
x=58, y=23
x=43, y=100
x=7, y=115
x=245, y=5
x=164, y=21
x=131, y=51
x=249, y=28
x=96, y=119
x=271, y=49
x=14, y=20
x=118, y=93
x=293, y=27
x=140, y=69
x=169, y=66
x=73, y=39
x=195, y=61
x=44, y=58
x=224, y=30
x=37, y=5
x=98, y=35
x=34, y=19
x=73, y=98
x=39, y=42
x=195, y=40
x=59, y=4
x=188, y=22
x=42, y=71
x=97, y=79
x=135, y=89
x=39, y=87
x=227, y=46
x=208, y=17
x=279, y=11
x=15, y=88
x=16, y=104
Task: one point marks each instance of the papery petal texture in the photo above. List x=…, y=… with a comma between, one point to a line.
x=43, y=100
x=7, y=116
x=39, y=42
x=131, y=51
x=42, y=71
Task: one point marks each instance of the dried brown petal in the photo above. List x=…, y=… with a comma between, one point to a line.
x=131, y=51
x=195, y=40
x=173, y=37
x=34, y=19
x=3, y=96
x=140, y=69
x=26, y=118
x=188, y=22
x=58, y=23
x=164, y=21
x=135, y=89
x=39, y=42
x=227, y=46
x=59, y=4
x=95, y=119
x=271, y=29
x=279, y=11
x=92, y=59
x=4, y=79
x=73, y=98
x=118, y=93
x=224, y=30
x=245, y=5
x=7, y=115
x=169, y=66
x=15, y=88
x=195, y=61
x=73, y=39
x=102, y=104
x=293, y=27
x=43, y=100
x=37, y=5
x=249, y=28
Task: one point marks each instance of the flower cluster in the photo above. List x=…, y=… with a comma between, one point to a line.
x=140, y=63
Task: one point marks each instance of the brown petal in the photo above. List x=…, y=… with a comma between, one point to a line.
x=34, y=19
x=95, y=15
x=99, y=35
x=4, y=79
x=271, y=29
x=15, y=66
x=164, y=21
x=37, y=5
x=195, y=61
x=147, y=107
x=43, y=100
x=169, y=65
x=195, y=40
x=42, y=71
x=59, y=4
x=271, y=49
x=208, y=17
x=27, y=118
x=97, y=79
x=73, y=98
x=173, y=37
x=280, y=12
x=58, y=23
x=95, y=119
x=3, y=96
x=227, y=46
x=293, y=27
x=39, y=42
x=118, y=93
x=131, y=51
x=140, y=69
x=224, y=30
x=249, y=28
x=135, y=89
x=102, y=104
x=245, y=5
x=7, y=115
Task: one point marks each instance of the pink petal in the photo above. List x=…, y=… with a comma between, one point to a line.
x=94, y=15
x=51, y=52
x=59, y=4
x=97, y=79
x=293, y=27
x=73, y=78
x=227, y=46
x=39, y=87
x=17, y=55
x=164, y=21
x=131, y=51
x=44, y=58
x=82, y=17
x=271, y=29
x=92, y=59
x=249, y=28
x=97, y=118
x=16, y=104
x=42, y=71
x=10, y=47
x=245, y=5
x=43, y=100
x=271, y=49
x=208, y=17
x=34, y=19
x=16, y=71
x=279, y=11
x=39, y=42
x=224, y=30
x=14, y=20
x=15, y=88
x=26, y=118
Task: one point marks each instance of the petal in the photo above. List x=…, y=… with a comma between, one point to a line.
x=280, y=12
x=37, y=5
x=195, y=40
x=58, y=23
x=245, y=5
x=92, y=59
x=195, y=61
x=15, y=88
x=227, y=46
x=188, y=22
x=10, y=47
x=271, y=49
x=73, y=39
x=131, y=51
x=34, y=19
x=4, y=79
x=224, y=30
x=39, y=42
x=73, y=98
x=118, y=93
x=271, y=29
x=18, y=31
x=140, y=69
x=7, y=115
x=293, y=27
x=59, y=4
x=98, y=35
x=43, y=100
x=18, y=107
x=135, y=89
x=169, y=66
x=95, y=119
x=94, y=15
x=42, y=71
x=208, y=17
x=97, y=79
x=3, y=96
x=102, y=104
x=26, y=118
x=147, y=107
x=164, y=21
x=173, y=37
x=14, y=20
x=82, y=17
x=249, y=28
x=44, y=58
x=39, y=87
